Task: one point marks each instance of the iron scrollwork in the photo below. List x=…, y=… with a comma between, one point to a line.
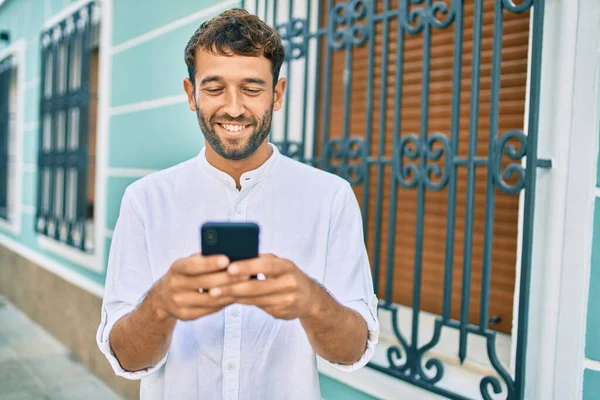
x=517, y=8
x=491, y=382
x=347, y=15
x=412, y=147
x=406, y=362
x=344, y=150
x=294, y=37
x=417, y=18
x=514, y=169
x=291, y=149
x=413, y=357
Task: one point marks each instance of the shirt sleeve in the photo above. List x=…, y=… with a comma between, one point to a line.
x=128, y=279
x=347, y=271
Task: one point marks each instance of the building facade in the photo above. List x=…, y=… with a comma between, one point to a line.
x=468, y=129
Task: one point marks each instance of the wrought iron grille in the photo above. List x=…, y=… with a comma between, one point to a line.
x=6, y=74
x=422, y=162
x=64, y=210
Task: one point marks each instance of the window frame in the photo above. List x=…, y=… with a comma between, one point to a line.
x=16, y=51
x=93, y=261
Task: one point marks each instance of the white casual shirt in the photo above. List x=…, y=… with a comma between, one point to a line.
x=306, y=215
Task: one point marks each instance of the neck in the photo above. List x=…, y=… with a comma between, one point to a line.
x=235, y=168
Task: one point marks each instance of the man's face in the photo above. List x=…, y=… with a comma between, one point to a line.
x=234, y=101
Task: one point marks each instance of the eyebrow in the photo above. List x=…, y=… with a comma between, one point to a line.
x=216, y=78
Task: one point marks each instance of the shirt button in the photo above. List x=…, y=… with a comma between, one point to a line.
x=235, y=312
x=231, y=366
x=238, y=210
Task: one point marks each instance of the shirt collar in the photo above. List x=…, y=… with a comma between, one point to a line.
x=249, y=178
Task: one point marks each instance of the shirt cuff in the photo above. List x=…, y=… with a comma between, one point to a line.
x=369, y=313
x=102, y=339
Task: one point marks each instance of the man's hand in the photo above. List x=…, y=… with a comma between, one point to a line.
x=182, y=293
x=286, y=293
x=336, y=333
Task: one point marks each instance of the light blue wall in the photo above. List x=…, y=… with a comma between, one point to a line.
x=334, y=390
x=167, y=135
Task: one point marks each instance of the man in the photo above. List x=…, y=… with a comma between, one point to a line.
x=240, y=338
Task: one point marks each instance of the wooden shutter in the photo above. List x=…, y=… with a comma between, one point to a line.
x=512, y=106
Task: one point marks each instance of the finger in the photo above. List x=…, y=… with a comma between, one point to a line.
x=251, y=288
x=197, y=264
x=269, y=266
x=195, y=299
x=211, y=280
x=280, y=300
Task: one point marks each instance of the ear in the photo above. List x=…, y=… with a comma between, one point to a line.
x=188, y=86
x=278, y=95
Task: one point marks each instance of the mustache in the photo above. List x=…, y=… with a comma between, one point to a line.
x=229, y=119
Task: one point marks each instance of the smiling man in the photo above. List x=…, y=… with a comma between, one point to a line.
x=241, y=338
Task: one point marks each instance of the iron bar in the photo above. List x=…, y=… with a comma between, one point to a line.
x=528, y=213
x=490, y=189
x=454, y=145
x=382, y=131
x=471, y=170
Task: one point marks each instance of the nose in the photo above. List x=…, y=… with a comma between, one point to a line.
x=233, y=104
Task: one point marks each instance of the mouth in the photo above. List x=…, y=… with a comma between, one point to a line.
x=233, y=129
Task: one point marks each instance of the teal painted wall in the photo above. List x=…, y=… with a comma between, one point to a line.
x=591, y=385
x=334, y=390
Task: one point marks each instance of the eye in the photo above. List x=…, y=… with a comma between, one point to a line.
x=213, y=91
x=252, y=92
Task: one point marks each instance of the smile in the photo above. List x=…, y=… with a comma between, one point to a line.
x=233, y=127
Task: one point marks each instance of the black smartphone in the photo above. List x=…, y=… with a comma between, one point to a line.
x=236, y=240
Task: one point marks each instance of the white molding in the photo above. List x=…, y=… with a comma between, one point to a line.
x=66, y=12
x=129, y=172
x=102, y=140
x=9, y=227
x=18, y=51
x=205, y=12
x=55, y=267
x=87, y=260
x=591, y=364
x=582, y=175
x=148, y=105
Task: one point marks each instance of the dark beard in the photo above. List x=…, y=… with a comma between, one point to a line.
x=231, y=149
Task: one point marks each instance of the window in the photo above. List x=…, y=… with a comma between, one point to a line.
x=68, y=113
x=11, y=96
x=6, y=122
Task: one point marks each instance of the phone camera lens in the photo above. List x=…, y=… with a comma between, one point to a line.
x=211, y=237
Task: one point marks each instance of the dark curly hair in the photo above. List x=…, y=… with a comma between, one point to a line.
x=238, y=32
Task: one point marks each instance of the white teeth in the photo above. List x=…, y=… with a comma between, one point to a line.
x=233, y=128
